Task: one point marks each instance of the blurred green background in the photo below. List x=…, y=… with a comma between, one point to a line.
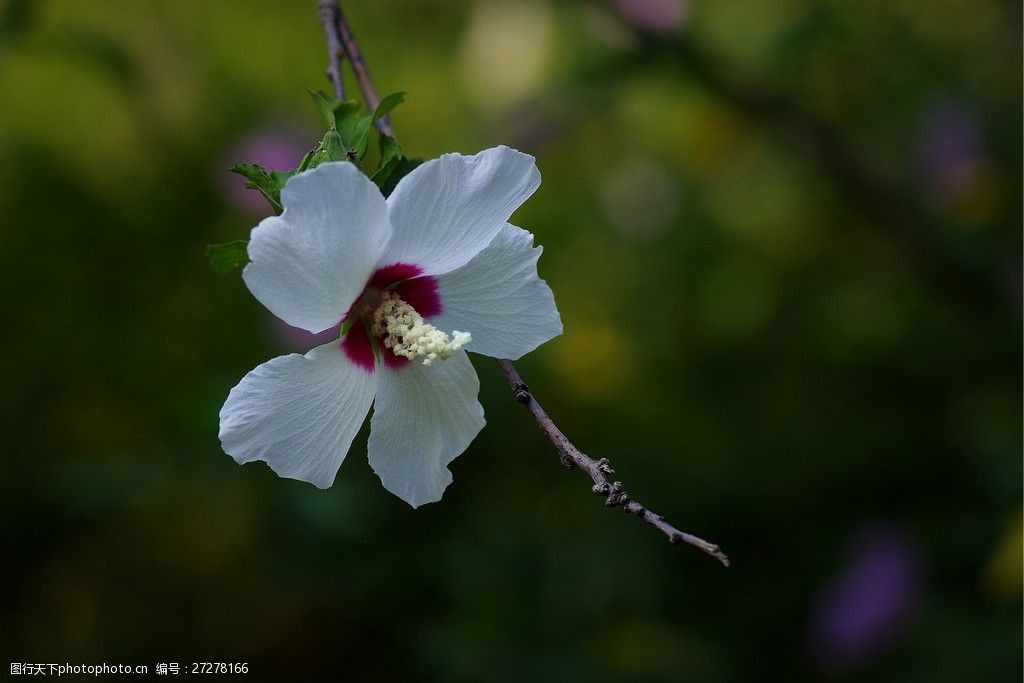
x=785, y=239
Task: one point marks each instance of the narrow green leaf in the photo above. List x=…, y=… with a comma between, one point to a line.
x=347, y=324
x=326, y=106
x=225, y=257
x=388, y=104
x=401, y=169
x=260, y=179
x=345, y=108
x=361, y=136
x=307, y=159
x=390, y=155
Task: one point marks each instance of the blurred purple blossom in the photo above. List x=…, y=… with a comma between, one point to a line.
x=277, y=146
x=950, y=151
x=659, y=16
x=871, y=603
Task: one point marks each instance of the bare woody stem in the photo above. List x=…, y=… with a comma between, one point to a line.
x=342, y=41
x=329, y=11
x=600, y=470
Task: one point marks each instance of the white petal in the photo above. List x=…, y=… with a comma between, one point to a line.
x=499, y=298
x=449, y=208
x=311, y=262
x=298, y=414
x=423, y=418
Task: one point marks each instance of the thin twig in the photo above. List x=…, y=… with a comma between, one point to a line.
x=359, y=68
x=600, y=470
x=328, y=11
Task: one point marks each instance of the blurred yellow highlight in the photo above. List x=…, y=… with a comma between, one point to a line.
x=506, y=51
x=593, y=361
x=1004, y=573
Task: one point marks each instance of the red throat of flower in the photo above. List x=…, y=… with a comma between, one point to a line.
x=405, y=280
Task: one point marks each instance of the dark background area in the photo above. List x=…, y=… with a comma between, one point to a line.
x=785, y=239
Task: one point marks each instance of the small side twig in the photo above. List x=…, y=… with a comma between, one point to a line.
x=599, y=471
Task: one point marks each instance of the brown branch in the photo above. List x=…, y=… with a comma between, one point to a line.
x=600, y=470
x=359, y=68
x=328, y=11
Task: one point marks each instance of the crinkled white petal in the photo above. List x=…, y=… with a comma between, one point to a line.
x=423, y=418
x=499, y=297
x=310, y=263
x=448, y=209
x=298, y=414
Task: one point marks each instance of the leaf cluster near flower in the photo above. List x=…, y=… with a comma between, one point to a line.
x=347, y=139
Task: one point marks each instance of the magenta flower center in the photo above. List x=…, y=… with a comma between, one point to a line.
x=405, y=280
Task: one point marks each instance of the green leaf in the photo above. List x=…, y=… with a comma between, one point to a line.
x=260, y=179
x=353, y=127
x=343, y=117
x=361, y=136
x=326, y=105
x=334, y=147
x=318, y=154
x=347, y=324
x=225, y=257
x=280, y=178
x=388, y=104
x=355, y=132
x=307, y=159
x=401, y=169
x=390, y=156
x=345, y=108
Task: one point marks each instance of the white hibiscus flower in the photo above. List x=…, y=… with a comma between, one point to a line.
x=414, y=278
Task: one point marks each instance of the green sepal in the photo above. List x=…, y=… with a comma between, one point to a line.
x=228, y=256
